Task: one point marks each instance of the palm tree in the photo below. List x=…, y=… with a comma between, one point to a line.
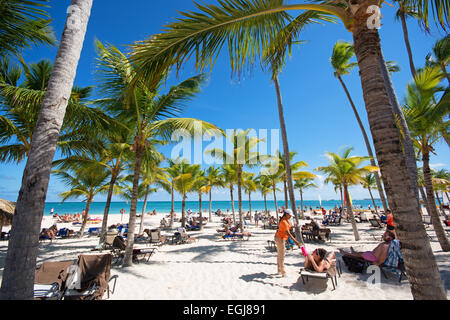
x=242, y=155
x=20, y=263
x=203, y=34
x=348, y=171
x=274, y=177
x=215, y=179
x=302, y=184
x=184, y=183
x=303, y=175
x=264, y=186
x=24, y=23
x=85, y=182
x=425, y=120
x=370, y=183
x=151, y=174
x=441, y=52
x=200, y=186
x=340, y=61
x=153, y=113
x=230, y=178
x=249, y=184
x=20, y=111
x=405, y=10
x=169, y=185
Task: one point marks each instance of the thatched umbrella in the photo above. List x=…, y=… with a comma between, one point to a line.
x=6, y=213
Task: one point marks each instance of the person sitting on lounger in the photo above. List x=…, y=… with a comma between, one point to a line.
x=319, y=260
x=378, y=255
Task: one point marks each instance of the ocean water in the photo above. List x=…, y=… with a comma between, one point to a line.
x=98, y=208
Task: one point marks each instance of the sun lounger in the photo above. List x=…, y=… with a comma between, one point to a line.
x=94, y=231
x=234, y=236
x=118, y=252
x=182, y=237
x=375, y=223
x=328, y=274
x=90, y=278
x=155, y=236
x=50, y=280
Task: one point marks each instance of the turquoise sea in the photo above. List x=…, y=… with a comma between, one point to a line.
x=97, y=208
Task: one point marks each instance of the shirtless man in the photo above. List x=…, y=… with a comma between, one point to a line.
x=378, y=255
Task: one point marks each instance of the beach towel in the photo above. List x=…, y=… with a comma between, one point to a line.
x=94, y=269
x=51, y=272
x=353, y=265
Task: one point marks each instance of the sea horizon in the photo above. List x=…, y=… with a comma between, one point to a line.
x=97, y=208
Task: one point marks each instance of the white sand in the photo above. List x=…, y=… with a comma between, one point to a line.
x=213, y=268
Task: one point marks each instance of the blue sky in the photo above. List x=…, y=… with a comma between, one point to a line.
x=318, y=116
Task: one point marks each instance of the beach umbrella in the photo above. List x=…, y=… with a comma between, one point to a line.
x=6, y=212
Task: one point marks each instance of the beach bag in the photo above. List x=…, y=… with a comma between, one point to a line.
x=353, y=265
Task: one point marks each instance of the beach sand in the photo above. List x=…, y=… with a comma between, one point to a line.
x=214, y=268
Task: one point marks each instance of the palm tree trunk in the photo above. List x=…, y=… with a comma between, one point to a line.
x=20, y=262
x=128, y=257
x=421, y=268
x=366, y=141
x=373, y=201
x=107, y=206
x=172, y=209
x=350, y=213
x=342, y=198
x=200, y=207
x=250, y=204
x=141, y=226
x=301, y=201
x=210, y=215
x=239, y=176
x=275, y=199
x=265, y=204
x=408, y=45
x=183, y=214
x=232, y=203
x=287, y=161
x=286, y=203
x=435, y=219
x=83, y=224
x=408, y=147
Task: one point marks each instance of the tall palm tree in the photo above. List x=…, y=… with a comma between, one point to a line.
x=249, y=184
x=348, y=171
x=153, y=113
x=24, y=23
x=215, y=179
x=340, y=61
x=185, y=183
x=274, y=177
x=264, y=186
x=151, y=174
x=20, y=263
x=302, y=184
x=200, y=186
x=85, y=182
x=405, y=10
x=230, y=179
x=203, y=34
x=370, y=183
x=425, y=120
x=169, y=186
x=242, y=146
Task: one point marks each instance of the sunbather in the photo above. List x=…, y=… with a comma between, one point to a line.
x=228, y=232
x=378, y=255
x=319, y=260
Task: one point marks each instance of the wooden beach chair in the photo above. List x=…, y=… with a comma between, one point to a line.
x=118, y=252
x=155, y=236
x=335, y=269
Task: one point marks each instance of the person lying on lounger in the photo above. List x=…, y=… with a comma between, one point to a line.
x=228, y=232
x=319, y=260
x=378, y=255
